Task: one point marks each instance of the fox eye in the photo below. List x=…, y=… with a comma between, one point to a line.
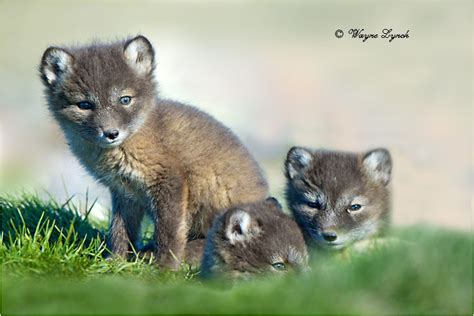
x=316, y=205
x=85, y=105
x=125, y=100
x=354, y=208
x=279, y=266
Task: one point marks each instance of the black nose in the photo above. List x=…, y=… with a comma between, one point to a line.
x=329, y=236
x=111, y=134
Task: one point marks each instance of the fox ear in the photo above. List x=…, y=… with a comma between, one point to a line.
x=139, y=55
x=378, y=165
x=241, y=228
x=56, y=63
x=297, y=159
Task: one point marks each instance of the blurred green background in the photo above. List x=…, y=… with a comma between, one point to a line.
x=275, y=73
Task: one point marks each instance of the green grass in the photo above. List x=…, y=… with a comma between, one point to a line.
x=51, y=260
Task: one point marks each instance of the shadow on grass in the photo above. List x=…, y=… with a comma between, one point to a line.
x=28, y=213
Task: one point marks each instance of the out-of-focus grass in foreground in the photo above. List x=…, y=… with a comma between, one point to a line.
x=52, y=263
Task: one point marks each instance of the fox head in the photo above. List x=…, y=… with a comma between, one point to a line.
x=100, y=93
x=338, y=198
x=252, y=239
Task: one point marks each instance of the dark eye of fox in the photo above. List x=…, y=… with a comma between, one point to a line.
x=280, y=266
x=355, y=207
x=85, y=105
x=316, y=205
x=125, y=100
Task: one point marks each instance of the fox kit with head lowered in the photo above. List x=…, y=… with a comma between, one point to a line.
x=156, y=156
x=254, y=238
x=338, y=198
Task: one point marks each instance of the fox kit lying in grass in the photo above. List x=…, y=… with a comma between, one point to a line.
x=156, y=156
x=338, y=198
x=254, y=238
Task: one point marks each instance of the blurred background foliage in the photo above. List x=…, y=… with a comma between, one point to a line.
x=275, y=73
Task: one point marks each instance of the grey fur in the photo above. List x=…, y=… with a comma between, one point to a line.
x=320, y=194
x=169, y=159
x=271, y=237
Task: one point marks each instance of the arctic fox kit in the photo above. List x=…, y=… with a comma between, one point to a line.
x=168, y=159
x=254, y=238
x=338, y=198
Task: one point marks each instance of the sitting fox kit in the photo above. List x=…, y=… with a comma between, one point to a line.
x=254, y=238
x=160, y=157
x=338, y=198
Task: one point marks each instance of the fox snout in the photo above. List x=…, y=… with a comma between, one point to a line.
x=111, y=134
x=111, y=137
x=329, y=235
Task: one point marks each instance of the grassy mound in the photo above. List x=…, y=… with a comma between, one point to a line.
x=52, y=264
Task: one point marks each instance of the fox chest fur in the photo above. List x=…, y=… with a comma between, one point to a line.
x=125, y=169
x=122, y=170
